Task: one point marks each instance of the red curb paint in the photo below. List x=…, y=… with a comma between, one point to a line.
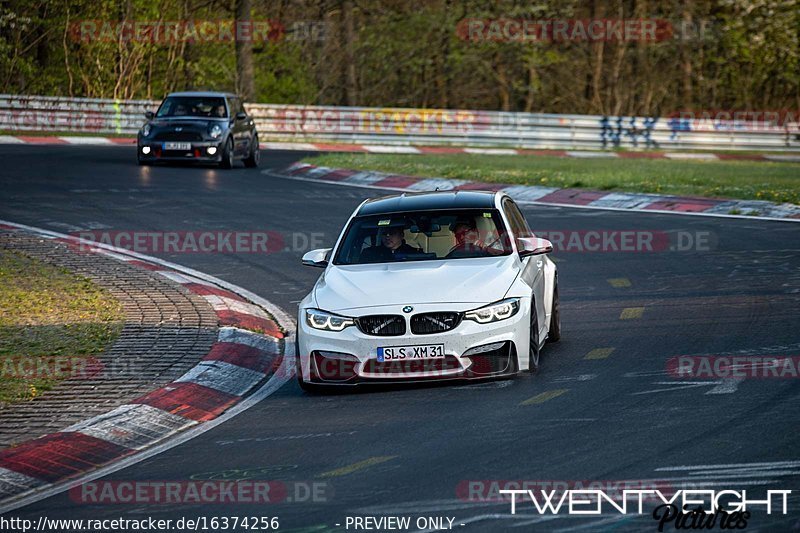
x=338, y=175
x=146, y=265
x=741, y=157
x=189, y=400
x=242, y=355
x=206, y=290
x=41, y=140
x=6, y=226
x=572, y=196
x=395, y=181
x=686, y=204
x=60, y=455
x=120, y=140
x=301, y=170
x=255, y=323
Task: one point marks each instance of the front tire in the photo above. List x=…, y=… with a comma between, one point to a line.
x=255, y=155
x=554, y=334
x=227, y=155
x=533, y=349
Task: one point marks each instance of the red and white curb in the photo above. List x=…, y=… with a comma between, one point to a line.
x=403, y=149
x=66, y=139
x=242, y=368
x=531, y=194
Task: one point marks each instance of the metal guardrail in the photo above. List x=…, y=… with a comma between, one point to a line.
x=402, y=126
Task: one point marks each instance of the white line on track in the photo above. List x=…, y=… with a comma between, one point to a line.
x=771, y=464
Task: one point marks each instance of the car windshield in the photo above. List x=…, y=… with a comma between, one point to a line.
x=423, y=235
x=193, y=106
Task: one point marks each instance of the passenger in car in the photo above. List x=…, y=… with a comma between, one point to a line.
x=393, y=247
x=467, y=238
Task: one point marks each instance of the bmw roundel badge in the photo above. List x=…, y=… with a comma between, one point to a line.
x=408, y=309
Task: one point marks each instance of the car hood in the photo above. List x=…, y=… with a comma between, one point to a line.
x=480, y=281
x=186, y=122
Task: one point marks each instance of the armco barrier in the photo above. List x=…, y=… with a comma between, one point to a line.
x=400, y=126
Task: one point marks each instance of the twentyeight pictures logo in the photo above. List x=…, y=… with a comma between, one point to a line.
x=684, y=509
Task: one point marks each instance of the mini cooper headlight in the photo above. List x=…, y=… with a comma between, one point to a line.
x=319, y=319
x=146, y=130
x=494, y=312
x=215, y=131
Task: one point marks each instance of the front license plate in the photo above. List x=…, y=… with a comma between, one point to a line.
x=178, y=146
x=404, y=353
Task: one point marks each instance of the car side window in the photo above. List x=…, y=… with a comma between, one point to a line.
x=519, y=226
x=239, y=107
x=233, y=107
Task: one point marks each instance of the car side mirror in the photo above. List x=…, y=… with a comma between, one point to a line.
x=149, y=115
x=241, y=115
x=317, y=258
x=533, y=246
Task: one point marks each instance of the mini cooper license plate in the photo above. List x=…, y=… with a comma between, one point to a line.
x=178, y=146
x=405, y=353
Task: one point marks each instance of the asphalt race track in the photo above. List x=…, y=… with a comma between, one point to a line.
x=614, y=415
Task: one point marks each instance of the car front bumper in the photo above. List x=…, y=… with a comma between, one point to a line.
x=350, y=357
x=199, y=151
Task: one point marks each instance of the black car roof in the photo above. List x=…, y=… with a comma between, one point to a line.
x=424, y=201
x=203, y=94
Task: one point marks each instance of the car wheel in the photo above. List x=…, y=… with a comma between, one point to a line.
x=227, y=155
x=554, y=333
x=533, y=350
x=255, y=154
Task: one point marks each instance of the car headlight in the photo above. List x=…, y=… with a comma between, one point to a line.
x=146, y=130
x=319, y=319
x=494, y=312
x=215, y=131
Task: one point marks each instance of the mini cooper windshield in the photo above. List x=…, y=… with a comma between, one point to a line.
x=193, y=106
x=423, y=235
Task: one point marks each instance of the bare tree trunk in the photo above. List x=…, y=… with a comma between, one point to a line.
x=686, y=57
x=351, y=87
x=502, y=83
x=532, y=82
x=245, y=83
x=597, y=69
x=188, y=56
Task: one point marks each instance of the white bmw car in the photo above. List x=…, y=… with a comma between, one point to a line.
x=428, y=286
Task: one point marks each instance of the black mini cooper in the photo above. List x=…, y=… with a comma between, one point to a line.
x=200, y=127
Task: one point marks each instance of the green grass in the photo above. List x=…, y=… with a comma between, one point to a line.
x=51, y=323
x=749, y=180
